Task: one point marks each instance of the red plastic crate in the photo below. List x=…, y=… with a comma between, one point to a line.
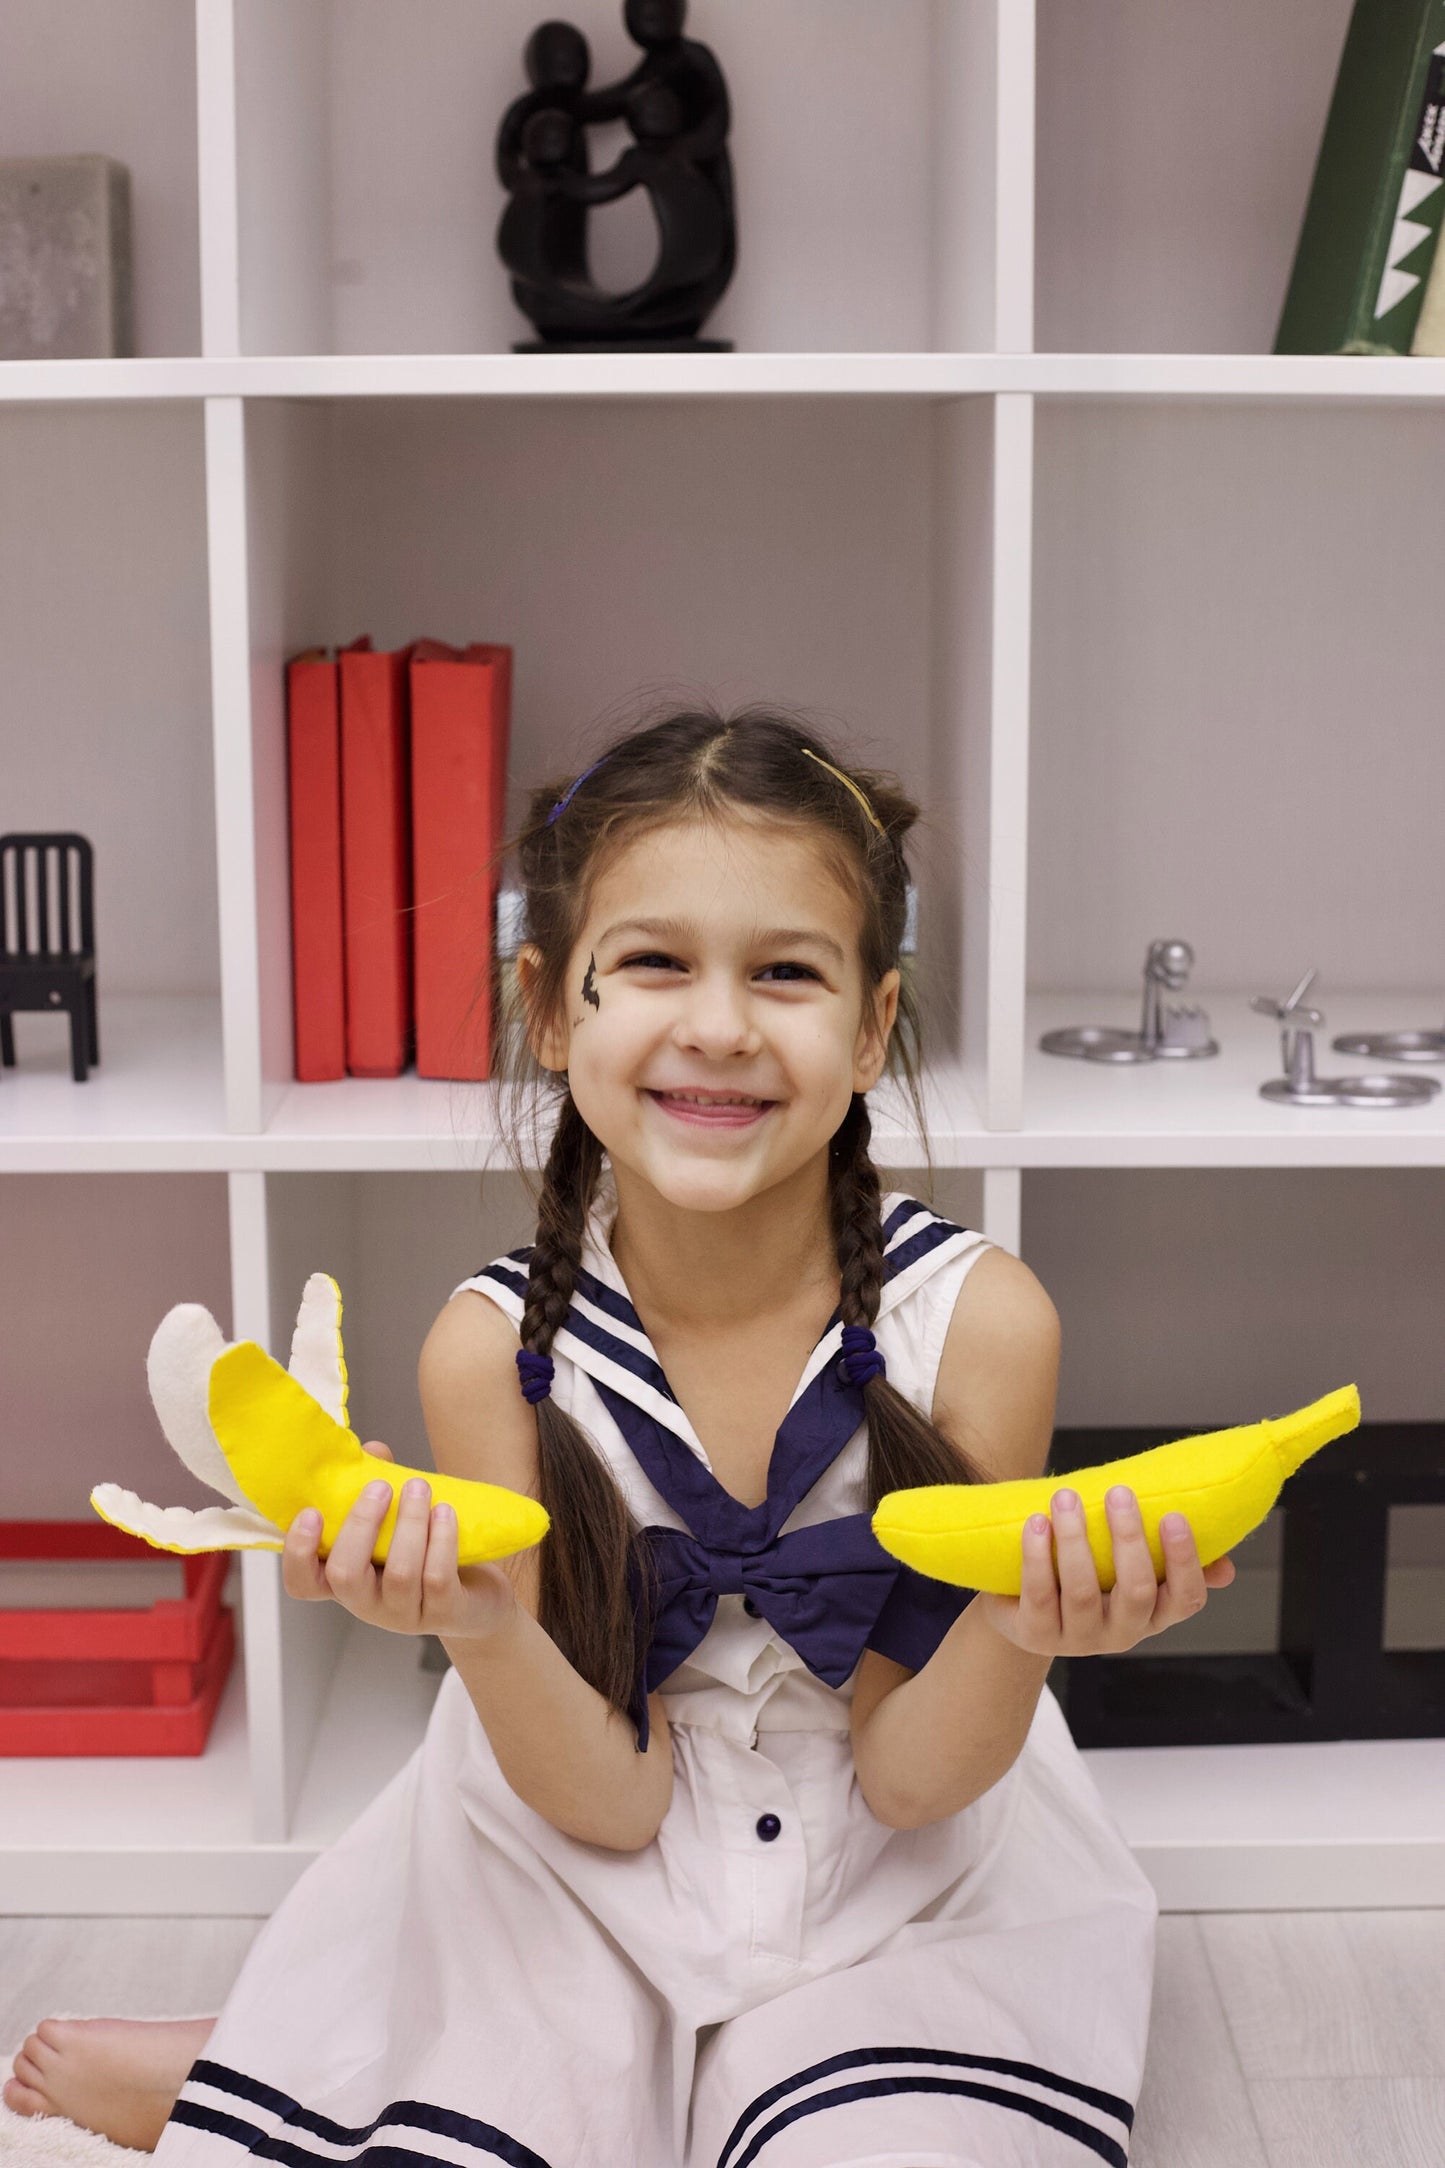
x=138, y=1681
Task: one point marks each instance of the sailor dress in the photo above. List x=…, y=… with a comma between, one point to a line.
x=778, y=1978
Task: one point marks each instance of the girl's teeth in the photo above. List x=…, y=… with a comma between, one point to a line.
x=686, y=1099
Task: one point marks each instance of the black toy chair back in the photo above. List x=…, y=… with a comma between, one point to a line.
x=47, y=940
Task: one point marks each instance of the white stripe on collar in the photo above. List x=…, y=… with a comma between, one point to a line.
x=496, y=1280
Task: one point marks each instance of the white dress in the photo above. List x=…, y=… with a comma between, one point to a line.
x=778, y=1978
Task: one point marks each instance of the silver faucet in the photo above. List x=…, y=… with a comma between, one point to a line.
x=1299, y=1086
x=1180, y=1033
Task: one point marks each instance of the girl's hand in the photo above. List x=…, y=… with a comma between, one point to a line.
x=419, y=1589
x=1068, y=1614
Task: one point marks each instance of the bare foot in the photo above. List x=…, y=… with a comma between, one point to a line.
x=116, y=2075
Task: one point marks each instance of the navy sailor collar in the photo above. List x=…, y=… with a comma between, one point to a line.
x=604, y=1336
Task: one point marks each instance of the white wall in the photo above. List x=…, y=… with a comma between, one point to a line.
x=1176, y=143
x=113, y=1253
x=118, y=77
x=1236, y=724
x=105, y=722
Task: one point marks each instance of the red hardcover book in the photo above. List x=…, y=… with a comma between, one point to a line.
x=376, y=860
x=318, y=959
x=461, y=704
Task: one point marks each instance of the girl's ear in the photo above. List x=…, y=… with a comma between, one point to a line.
x=872, y=1050
x=546, y=1044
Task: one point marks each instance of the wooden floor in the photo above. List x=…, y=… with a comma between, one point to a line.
x=1279, y=2039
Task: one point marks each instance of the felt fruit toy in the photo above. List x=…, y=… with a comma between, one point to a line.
x=273, y=1440
x=1223, y=1481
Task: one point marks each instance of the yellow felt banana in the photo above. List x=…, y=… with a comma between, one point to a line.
x=1223, y=1481
x=286, y=1451
x=293, y=1445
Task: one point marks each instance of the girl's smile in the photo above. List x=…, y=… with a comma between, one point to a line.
x=703, y=1113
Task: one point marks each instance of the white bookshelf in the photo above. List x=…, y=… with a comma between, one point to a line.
x=1001, y=481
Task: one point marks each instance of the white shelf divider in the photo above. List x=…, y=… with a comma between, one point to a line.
x=1015, y=162
x=1329, y=381
x=216, y=155
x=1008, y=809
x=306, y=1640
x=1003, y=1191
x=261, y=1592
x=231, y=724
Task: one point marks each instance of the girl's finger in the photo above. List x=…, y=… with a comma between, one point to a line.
x=349, y=1571
x=302, y=1574
x=402, y=1573
x=1038, y=1606
x=1081, y=1601
x=377, y=1450
x=1135, y=1592
x=1184, y=1591
x=439, y=1573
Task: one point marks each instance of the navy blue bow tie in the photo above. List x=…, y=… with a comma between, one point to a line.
x=825, y=1590
x=829, y=1590
x=821, y=1588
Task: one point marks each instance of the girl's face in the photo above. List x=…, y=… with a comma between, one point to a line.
x=743, y=980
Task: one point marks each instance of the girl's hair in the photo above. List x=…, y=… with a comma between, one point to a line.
x=691, y=764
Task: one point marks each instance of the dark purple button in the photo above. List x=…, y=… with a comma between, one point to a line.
x=769, y=1827
x=751, y=1608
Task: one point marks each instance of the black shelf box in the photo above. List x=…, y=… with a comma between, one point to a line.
x=1330, y=1677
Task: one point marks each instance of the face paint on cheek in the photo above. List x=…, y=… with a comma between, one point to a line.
x=589, y=985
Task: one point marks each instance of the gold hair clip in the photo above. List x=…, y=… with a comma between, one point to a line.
x=848, y=782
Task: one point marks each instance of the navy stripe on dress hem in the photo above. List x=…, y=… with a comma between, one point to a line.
x=258, y=2146
x=1107, y=2103
x=1096, y=2141
x=411, y=2114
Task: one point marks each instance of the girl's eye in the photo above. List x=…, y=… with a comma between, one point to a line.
x=655, y=958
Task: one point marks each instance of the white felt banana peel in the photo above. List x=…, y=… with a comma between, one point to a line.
x=273, y=1441
x=1223, y=1481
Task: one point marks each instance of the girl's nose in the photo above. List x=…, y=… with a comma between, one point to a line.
x=716, y=1018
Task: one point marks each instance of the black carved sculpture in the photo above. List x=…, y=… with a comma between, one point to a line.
x=675, y=103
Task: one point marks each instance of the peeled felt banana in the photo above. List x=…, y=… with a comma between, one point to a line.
x=274, y=1441
x=1224, y=1483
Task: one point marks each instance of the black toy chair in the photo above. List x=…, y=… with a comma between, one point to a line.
x=57, y=969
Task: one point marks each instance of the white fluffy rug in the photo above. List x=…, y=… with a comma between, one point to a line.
x=49, y=2140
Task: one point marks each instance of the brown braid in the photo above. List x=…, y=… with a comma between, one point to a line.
x=585, y=1603
x=901, y=1442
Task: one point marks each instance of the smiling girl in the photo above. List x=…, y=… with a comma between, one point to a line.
x=730, y=1840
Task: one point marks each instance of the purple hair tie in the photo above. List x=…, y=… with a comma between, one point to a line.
x=862, y=1356
x=536, y=1373
x=561, y=802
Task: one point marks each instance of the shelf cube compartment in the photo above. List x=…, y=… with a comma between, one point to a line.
x=132, y=1680
x=866, y=209
x=1167, y=218
x=105, y=730
x=115, y=78
x=1193, y=1299
x=660, y=562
